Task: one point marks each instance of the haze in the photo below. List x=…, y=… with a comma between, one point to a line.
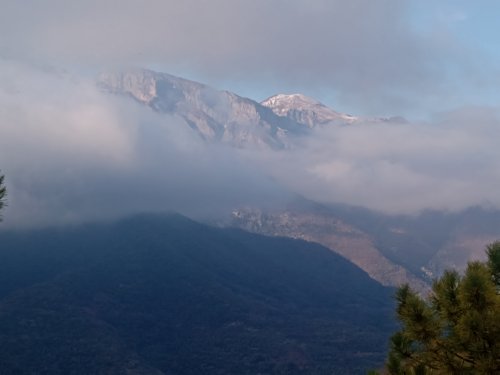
x=72, y=153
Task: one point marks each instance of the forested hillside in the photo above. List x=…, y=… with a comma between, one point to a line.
x=166, y=295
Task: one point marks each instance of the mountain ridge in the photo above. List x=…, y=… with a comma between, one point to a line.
x=162, y=294
x=216, y=115
x=223, y=116
x=282, y=122
x=306, y=110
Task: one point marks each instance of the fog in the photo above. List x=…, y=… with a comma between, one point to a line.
x=449, y=163
x=72, y=153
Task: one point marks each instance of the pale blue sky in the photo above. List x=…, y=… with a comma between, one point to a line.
x=469, y=33
x=372, y=57
x=471, y=29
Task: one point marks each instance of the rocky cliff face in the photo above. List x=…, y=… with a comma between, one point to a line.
x=217, y=116
x=311, y=113
x=222, y=116
x=333, y=233
x=305, y=110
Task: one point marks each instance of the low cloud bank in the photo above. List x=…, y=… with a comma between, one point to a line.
x=450, y=163
x=72, y=153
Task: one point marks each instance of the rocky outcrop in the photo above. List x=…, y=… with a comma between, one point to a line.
x=332, y=233
x=217, y=116
x=305, y=110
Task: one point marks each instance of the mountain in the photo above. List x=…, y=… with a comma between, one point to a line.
x=378, y=243
x=429, y=242
x=392, y=249
x=330, y=230
x=158, y=294
x=222, y=116
x=312, y=113
x=217, y=116
x=305, y=110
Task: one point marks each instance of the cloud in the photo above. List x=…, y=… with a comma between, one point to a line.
x=365, y=51
x=71, y=153
x=450, y=163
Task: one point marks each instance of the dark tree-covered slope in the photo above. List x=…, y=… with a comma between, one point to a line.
x=166, y=295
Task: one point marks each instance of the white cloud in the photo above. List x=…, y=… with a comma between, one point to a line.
x=363, y=50
x=450, y=163
x=71, y=153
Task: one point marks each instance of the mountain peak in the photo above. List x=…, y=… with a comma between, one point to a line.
x=305, y=110
x=219, y=116
x=296, y=99
x=146, y=85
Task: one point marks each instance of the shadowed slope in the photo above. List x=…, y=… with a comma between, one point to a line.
x=163, y=294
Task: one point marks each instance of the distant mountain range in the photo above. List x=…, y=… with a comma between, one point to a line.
x=302, y=289
x=217, y=116
x=222, y=116
x=334, y=232
x=161, y=294
x=393, y=249
x=306, y=111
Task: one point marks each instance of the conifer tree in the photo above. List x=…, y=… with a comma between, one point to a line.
x=457, y=329
x=3, y=193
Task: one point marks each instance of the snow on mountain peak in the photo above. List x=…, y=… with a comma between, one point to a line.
x=218, y=116
x=305, y=110
x=295, y=100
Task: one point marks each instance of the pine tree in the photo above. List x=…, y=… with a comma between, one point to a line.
x=3, y=192
x=457, y=329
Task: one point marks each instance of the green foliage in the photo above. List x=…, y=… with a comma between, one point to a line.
x=457, y=329
x=493, y=252
x=3, y=191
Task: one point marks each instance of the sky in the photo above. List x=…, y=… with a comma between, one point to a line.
x=382, y=57
x=71, y=152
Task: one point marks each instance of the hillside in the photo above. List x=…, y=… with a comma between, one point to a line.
x=392, y=249
x=334, y=233
x=165, y=295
